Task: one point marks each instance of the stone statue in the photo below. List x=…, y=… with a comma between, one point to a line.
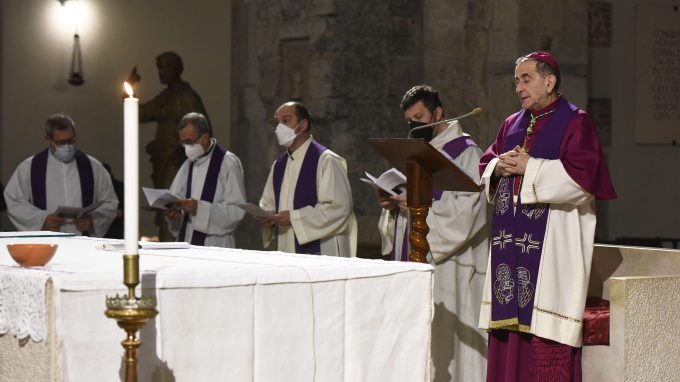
x=167, y=109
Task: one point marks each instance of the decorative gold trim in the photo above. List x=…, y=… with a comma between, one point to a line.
x=558, y=315
x=486, y=302
x=503, y=323
x=514, y=328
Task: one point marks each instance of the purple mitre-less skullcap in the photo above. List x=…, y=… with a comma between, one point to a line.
x=545, y=57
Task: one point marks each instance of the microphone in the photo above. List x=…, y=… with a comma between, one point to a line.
x=475, y=111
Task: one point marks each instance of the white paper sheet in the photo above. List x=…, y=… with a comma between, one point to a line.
x=159, y=198
x=76, y=212
x=255, y=210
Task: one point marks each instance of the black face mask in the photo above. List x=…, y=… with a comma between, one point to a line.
x=426, y=133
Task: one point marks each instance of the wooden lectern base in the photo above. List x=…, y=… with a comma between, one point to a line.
x=418, y=236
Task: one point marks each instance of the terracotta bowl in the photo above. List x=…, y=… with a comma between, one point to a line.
x=32, y=255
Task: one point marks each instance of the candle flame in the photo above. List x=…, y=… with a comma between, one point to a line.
x=128, y=89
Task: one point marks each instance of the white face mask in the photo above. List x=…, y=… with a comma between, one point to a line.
x=193, y=151
x=65, y=153
x=285, y=135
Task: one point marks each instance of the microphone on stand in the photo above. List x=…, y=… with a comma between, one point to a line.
x=475, y=111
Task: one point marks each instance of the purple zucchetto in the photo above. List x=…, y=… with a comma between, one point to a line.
x=545, y=57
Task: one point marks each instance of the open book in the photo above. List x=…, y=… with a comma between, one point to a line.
x=76, y=212
x=159, y=198
x=388, y=181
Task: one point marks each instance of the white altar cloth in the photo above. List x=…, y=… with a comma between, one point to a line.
x=229, y=314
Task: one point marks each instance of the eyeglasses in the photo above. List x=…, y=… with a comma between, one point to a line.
x=189, y=141
x=71, y=141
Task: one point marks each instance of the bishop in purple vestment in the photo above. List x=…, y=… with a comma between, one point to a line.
x=542, y=174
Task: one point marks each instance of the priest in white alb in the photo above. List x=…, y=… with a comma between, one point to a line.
x=210, y=185
x=458, y=243
x=308, y=192
x=61, y=176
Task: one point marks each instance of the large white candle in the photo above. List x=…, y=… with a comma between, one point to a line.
x=131, y=150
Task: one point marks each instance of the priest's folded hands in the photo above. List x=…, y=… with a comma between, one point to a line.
x=513, y=162
x=281, y=219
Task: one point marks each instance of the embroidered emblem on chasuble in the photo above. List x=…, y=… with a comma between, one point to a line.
x=534, y=211
x=526, y=244
x=502, y=239
x=502, y=203
x=504, y=287
x=526, y=288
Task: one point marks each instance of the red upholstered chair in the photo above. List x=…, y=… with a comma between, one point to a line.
x=596, y=322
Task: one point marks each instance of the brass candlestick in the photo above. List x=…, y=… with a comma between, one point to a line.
x=131, y=313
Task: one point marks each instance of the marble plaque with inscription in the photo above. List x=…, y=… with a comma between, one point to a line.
x=657, y=74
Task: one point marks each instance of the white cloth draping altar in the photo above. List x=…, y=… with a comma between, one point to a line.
x=225, y=314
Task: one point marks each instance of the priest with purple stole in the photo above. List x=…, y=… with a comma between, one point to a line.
x=458, y=241
x=210, y=185
x=543, y=175
x=308, y=192
x=61, y=176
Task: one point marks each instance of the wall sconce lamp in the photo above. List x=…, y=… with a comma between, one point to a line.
x=75, y=76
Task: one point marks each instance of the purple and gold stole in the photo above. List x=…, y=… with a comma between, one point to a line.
x=39, y=179
x=305, y=189
x=517, y=234
x=207, y=193
x=453, y=149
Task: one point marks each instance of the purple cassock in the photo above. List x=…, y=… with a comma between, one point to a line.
x=305, y=188
x=453, y=149
x=39, y=179
x=522, y=357
x=207, y=193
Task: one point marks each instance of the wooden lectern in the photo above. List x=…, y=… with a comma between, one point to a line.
x=425, y=167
